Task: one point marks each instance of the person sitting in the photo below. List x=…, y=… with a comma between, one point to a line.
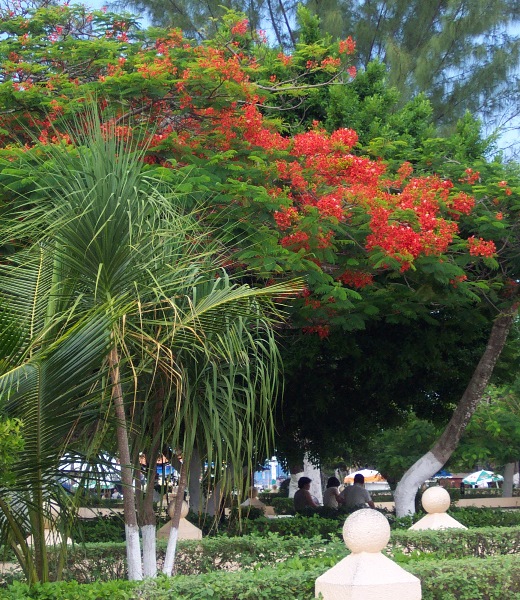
x=331, y=496
x=356, y=495
x=115, y=494
x=302, y=497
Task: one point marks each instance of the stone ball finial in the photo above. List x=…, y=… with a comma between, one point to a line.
x=436, y=500
x=366, y=530
x=184, y=510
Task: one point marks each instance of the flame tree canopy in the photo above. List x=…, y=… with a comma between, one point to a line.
x=390, y=224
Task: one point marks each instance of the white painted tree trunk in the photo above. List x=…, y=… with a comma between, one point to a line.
x=293, y=484
x=313, y=472
x=443, y=448
x=416, y=475
x=171, y=549
x=133, y=544
x=509, y=472
x=133, y=552
x=149, y=551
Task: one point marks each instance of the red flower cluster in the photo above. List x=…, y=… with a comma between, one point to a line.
x=286, y=218
x=470, y=177
x=296, y=241
x=347, y=46
x=311, y=143
x=330, y=206
x=459, y=279
x=480, y=247
x=285, y=59
x=461, y=203
x=357, y=279
x=507, y=190
x=411, y=224
x=323, y=331
x=240, y=28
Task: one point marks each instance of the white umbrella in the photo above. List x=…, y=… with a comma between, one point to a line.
x=482, y=477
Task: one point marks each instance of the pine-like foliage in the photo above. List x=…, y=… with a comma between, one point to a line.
x=463, y=55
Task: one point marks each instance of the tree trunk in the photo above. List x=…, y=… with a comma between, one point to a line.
x=133, y=545
x=147, y=518
x=509, y=472
x=435, y=459
x=214, y=502
x=274, y=24
x=194, y=488
x=313, y=472
x=169, y=559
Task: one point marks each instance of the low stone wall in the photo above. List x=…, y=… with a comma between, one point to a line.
x=490, y=502
x=476, y=502
x=87, y=512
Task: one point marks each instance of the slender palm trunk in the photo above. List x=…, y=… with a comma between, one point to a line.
x=437, y=457
x=194, y=488
x=147, y=518
x=169, y=559
x=133, y=546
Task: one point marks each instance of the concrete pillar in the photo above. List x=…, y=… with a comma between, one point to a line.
x=366, y=574
x=436, y=501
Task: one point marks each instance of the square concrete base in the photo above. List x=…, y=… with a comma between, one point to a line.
x=187, y=531
x=368, y=576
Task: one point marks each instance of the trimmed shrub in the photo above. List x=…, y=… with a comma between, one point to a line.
x=494, y=578
x=299, y=525
x=109, y=528
x=104, y=562
x=486, y=517
x=457, y=543
x=71, y=590
x=283, y=506
x=470, y=579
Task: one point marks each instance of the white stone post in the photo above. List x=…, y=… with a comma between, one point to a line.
x=436, y=501
x=366, y=574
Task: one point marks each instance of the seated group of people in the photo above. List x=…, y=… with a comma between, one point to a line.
x=351, y=496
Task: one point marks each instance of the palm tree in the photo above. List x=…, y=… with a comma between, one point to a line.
x=127, y=249
x=54, y=397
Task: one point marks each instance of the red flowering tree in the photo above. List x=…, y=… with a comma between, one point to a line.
x=369, y=231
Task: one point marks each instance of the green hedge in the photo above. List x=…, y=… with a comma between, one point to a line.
x=283, y=506
x=496, y=578
x=299, y=525
x=329, y=525
x=111, y=528
x=486, y=517
x=470, y=579
x=457, y=543
x=105, y=562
